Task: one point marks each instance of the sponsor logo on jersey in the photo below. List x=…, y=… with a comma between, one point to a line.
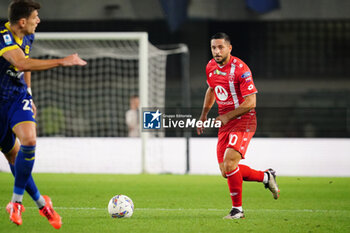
x=151, y=120
x=218, y=72
x=14, y=74
x=246, y=74
x=221, y=93
x=250, y=87
x=225, y=102
x=7, y=39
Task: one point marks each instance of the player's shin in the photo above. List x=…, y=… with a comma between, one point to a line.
x=23, y=168
x=234, y=180
x=31, y=189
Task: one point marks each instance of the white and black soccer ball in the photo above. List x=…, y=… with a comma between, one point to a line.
x=120, y=206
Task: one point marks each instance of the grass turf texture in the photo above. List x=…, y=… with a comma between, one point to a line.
x=181, y=203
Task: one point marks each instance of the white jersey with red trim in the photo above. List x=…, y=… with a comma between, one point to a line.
x=231, y=83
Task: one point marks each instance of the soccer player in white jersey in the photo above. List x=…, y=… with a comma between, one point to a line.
x=17, y=112
x=231, y=84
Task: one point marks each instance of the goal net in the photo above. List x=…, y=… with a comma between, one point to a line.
x=91, y=101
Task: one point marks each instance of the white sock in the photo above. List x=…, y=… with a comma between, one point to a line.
x=40, y=203
x=238, y=207
x=266, y=178
x=17, y=198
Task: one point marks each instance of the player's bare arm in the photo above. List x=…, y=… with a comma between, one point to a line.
x=209, y=100
x=17, y=58
x=248, y=104
x=72, y=60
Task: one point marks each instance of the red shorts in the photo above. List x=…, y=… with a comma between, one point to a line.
x=236, y=134
x=238, y=141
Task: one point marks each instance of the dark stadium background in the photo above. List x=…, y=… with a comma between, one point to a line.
x=299, y=52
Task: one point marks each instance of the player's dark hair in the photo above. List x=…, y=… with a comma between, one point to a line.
x=19, y=9
x=221, y=35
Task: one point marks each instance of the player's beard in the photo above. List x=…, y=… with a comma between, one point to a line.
x=221, y=61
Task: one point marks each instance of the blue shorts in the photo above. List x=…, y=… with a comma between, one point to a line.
x=11, y=114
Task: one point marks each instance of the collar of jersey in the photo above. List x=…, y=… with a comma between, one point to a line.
x=17, y=39
x=231, y=58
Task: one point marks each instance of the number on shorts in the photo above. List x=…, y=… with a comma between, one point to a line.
x=233, y=139
x=27, y=106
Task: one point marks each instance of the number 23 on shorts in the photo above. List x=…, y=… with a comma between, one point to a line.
x=27, y=105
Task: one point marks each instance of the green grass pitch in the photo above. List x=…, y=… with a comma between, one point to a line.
x=183, y=203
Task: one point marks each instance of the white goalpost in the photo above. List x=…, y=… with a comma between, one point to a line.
x=91, y=101
x=140, y=37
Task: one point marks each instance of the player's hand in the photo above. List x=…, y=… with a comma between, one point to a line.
x=223, y=118
x=73, y=60
x=201, y=129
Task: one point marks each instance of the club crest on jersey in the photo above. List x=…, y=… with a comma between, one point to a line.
x=221, y=93
x=246, y=74
x=7, y=39
x=231, y=76
x=218, y=72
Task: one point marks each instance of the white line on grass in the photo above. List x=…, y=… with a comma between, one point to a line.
x=203, y=209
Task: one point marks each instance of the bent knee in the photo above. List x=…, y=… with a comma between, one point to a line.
x=29, y=142
x=228, y=165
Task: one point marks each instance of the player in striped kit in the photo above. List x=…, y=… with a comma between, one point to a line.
x=17, y=112
x=231, y=84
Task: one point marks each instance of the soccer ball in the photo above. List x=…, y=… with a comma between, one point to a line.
x=120, y=206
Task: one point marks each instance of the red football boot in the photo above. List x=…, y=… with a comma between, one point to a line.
x=15, y=210
x=51, y=215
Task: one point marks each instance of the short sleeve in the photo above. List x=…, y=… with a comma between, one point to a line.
x=208, y=74
x=7, y=43
x=246, y=82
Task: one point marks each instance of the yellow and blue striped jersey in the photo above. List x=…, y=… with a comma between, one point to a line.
x=11, y=80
